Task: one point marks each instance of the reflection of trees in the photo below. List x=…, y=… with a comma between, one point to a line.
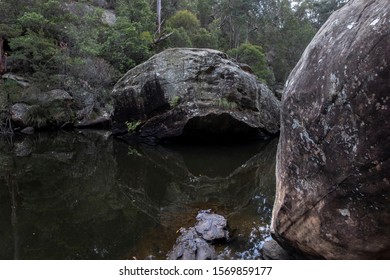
x=67, y=203
x=13, y=190
x=85, y=196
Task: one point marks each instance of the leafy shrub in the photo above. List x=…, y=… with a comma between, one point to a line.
x=254, y=56
x=184, y=19
x=132, y=126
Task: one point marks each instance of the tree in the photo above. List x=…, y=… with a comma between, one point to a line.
x=125, y=46
x=319, y=11
x=253, y=56
x=185, y=19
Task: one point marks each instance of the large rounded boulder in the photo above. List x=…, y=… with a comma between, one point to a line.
x=194, y=93
x=333, y=185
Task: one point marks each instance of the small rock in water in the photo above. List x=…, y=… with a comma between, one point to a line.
x=190, y=246
x=28, y=130
x=194, y=243
x=211, y=226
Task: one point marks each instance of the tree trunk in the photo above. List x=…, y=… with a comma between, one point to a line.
x=159, y=17
x=3, y=62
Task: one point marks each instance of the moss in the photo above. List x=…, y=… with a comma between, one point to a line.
x=227, y=105
x=174, y=101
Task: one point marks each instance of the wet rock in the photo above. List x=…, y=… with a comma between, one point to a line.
x=194, y=93
x=211, y=226
x=195, y=243
x=19, y=113
x=333, y=186
x=191, y=246
x=23, y=149
x=27, y=130
x=271, y=250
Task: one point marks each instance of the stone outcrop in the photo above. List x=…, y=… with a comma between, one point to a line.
x=211, y=226
x=42, y=109
x=195, y=243
x=333, y=187
x=75, y=105
x=193, y=92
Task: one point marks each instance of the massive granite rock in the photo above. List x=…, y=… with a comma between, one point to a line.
x=194, y=92
x=333, y=163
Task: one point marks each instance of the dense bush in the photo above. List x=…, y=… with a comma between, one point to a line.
x=68, y=37
x=253, y=56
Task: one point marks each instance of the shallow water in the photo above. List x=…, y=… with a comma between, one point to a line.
x=84, y=195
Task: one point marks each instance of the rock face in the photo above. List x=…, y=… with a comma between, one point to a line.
x=76, y=105
x=46, y=109
x=192, y=92
x=333, y=186
x=271, y=250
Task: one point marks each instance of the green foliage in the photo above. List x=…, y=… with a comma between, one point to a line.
x=227, y=105
x=37, y=116
x=132, y=126
x=205, y=11
x=205, y=39
x=179, y=39
x=35, y=50
x=254, y=56
x=10, y=87
x=68, y=37
x=174, y=101
x=184, y=19
x=125, y=46
x=33, y=21
x=133, y=152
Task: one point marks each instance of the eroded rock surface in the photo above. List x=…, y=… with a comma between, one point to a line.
x=193, y=92
x=333, y=185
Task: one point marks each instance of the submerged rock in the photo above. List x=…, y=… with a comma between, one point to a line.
x=194, y=93
x=333, y=187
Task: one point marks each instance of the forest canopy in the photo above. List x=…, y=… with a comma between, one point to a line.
x=83, y=38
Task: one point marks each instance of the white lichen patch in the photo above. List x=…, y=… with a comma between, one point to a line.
x=351, y=25
x=344, y=212
x=374, y=22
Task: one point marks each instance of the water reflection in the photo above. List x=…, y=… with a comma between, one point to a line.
x=84, y=195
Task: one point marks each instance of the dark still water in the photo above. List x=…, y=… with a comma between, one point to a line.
x=84, y=195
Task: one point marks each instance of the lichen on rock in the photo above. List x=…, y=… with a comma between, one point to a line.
x=333, y=191
x=193, y=92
